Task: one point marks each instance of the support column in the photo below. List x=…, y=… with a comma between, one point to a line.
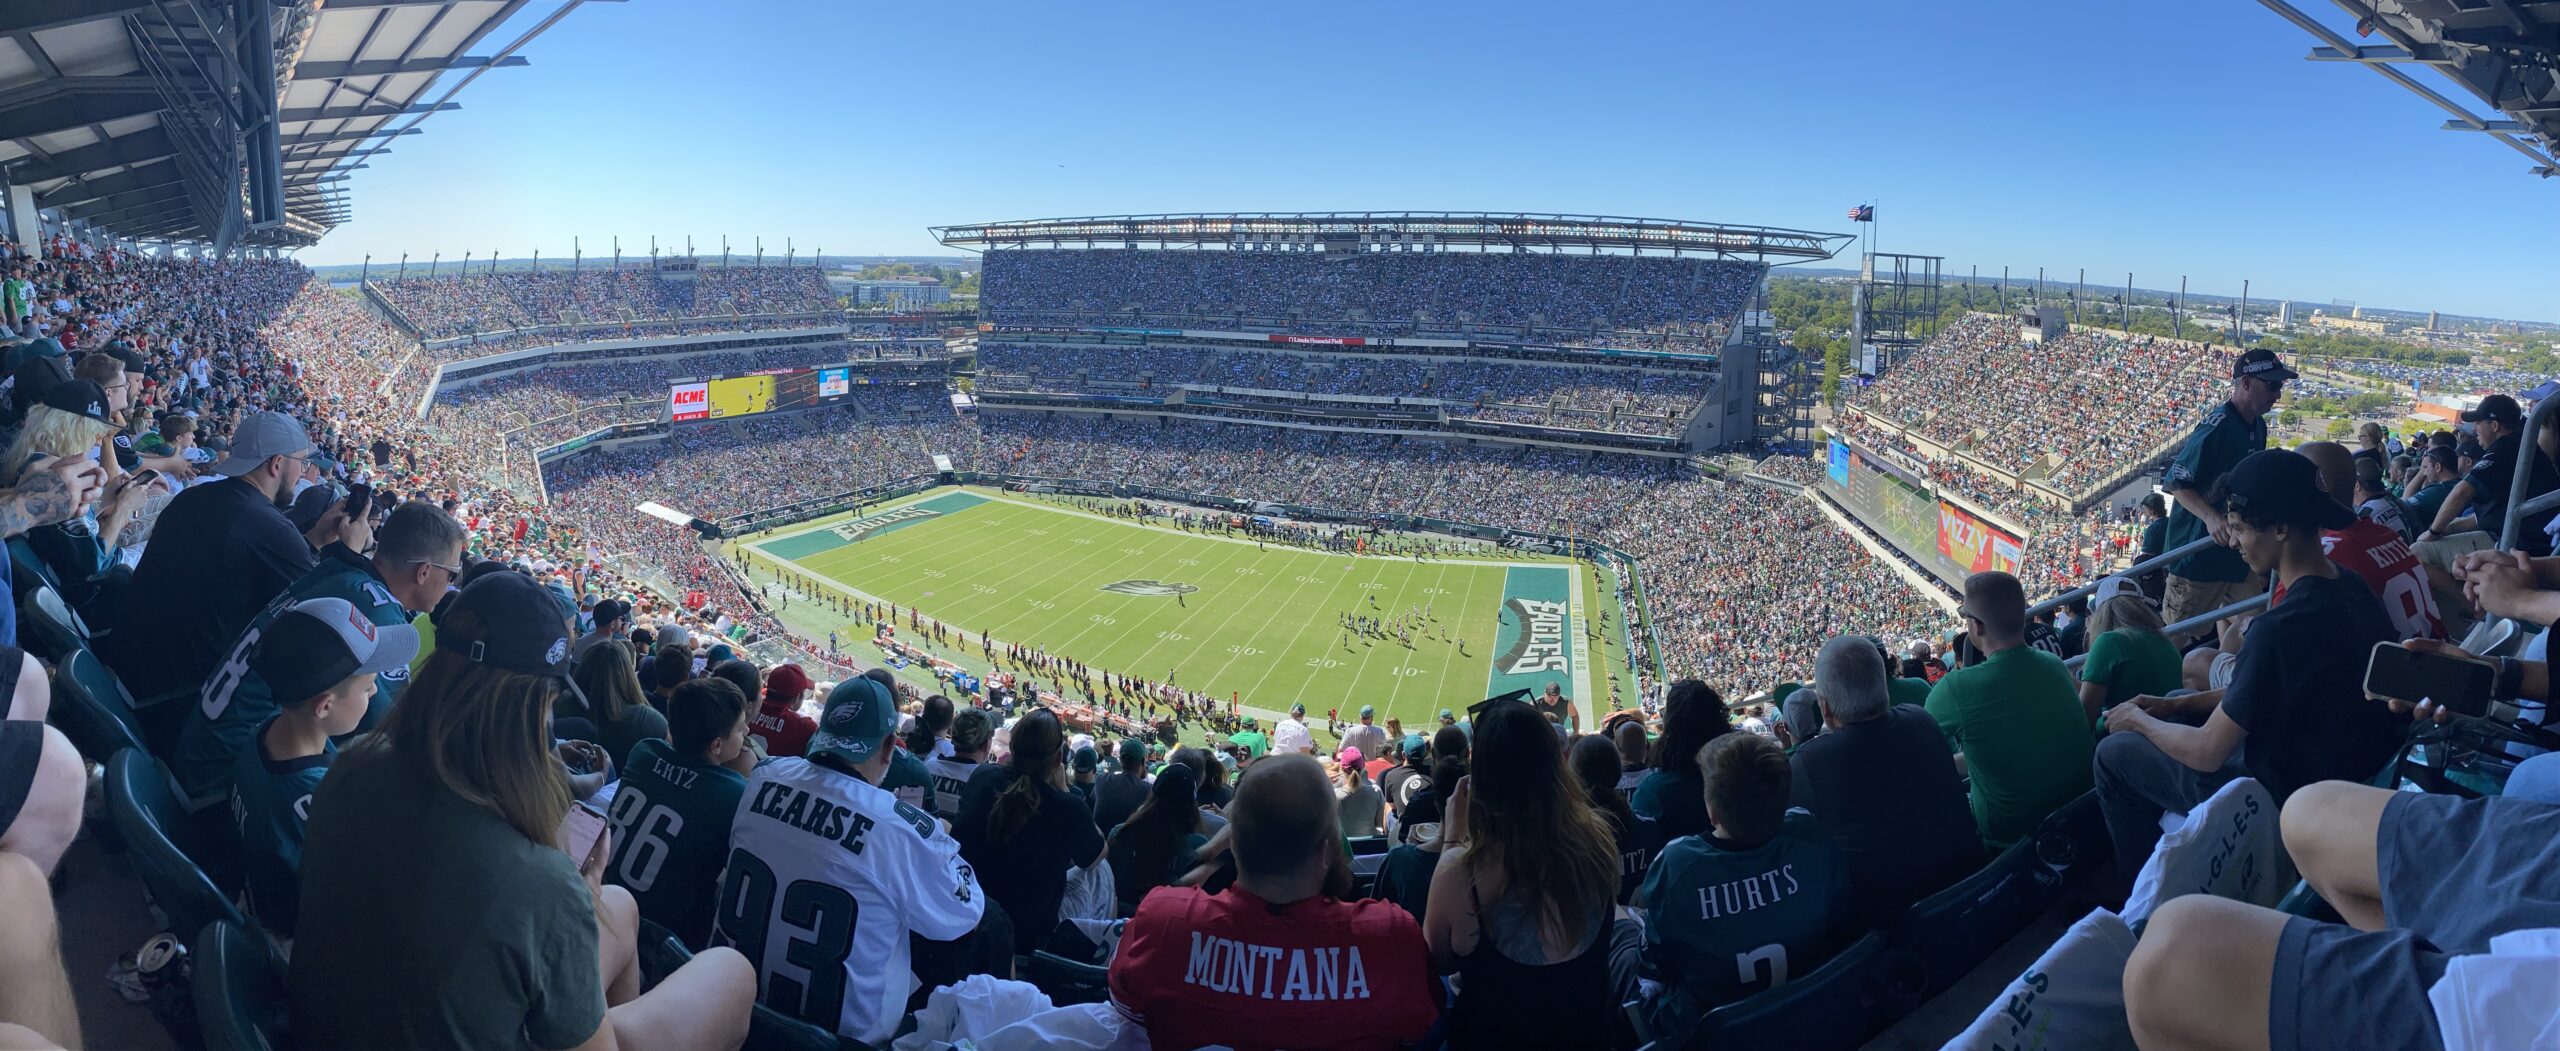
x=24, y=227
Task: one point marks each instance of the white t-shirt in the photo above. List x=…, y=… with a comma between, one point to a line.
x=2501, y=999
x=1291, y=736
x=856, y=871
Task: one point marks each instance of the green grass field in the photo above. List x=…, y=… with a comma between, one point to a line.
x=1220, y=615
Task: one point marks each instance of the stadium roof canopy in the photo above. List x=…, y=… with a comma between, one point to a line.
x=1519, y=231
x=224, y=122
x=2505, y=53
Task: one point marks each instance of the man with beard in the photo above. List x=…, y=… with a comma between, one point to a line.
x=220, y=552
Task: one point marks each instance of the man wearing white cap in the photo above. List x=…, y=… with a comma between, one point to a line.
x=220, y=552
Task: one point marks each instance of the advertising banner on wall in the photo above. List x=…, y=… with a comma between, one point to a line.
x=1973, y=545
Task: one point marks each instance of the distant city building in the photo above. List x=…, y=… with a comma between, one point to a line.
x=2284, y=314
x=2366, y=326
x=2431, y=322
x=899, y=293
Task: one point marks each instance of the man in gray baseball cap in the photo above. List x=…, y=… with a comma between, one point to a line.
x=220, y=552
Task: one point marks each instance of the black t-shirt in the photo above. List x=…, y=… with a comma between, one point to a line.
x=1404, y=877
x=2492, y=475
x=220, y=552
x=1888, y=792
x=2299, y=687
x=2041, y=636
x=1026, y=874
x=1402, y=785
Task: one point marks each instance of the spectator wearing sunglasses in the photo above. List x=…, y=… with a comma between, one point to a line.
x=410, y=569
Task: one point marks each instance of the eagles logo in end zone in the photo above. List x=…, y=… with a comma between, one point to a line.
x=1150, y=588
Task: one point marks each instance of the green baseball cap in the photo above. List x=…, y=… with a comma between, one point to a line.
x=858, y=715
x=1368, y=710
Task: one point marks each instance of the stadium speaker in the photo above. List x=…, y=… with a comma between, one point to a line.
x=709, y=530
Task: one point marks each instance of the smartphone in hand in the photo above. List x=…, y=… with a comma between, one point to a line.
x=581, y=832
x=2455, y=684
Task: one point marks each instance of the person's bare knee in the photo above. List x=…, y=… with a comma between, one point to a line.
x=2196, y=670
x=26, y=904
x=2333, y=831
x=707, y=1003
x=618, y=943
x=2202, y=974
x=50, y=818
x=36, y=1008
x=33, y=698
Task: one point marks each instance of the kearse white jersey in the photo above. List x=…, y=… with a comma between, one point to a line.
x=826, y=877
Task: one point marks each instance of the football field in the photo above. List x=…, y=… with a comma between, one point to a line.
x=1220, y=615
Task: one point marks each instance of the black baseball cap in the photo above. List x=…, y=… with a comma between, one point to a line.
x=611, y=610
x=508, y=622
x=2497, y=407
x=2262, y=364
x=2286, y=485
x=78, y=397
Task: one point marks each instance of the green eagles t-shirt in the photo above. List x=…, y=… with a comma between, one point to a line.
x=427, y=921
x=1914, y=692
x=2131, y=664
x=2016, y=717
x=2220, y=441
x=234, y=701
x=1256, y=743
x=671, y=835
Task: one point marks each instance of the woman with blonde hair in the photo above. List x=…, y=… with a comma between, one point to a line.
x=72, y=421
x=451, y=895
x=2129, y=656
x=1522, y=901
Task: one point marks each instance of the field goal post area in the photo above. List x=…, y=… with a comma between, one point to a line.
x=1543, y=630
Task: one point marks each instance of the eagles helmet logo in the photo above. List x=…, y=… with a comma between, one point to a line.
x=1150, y=588
x=559, y=651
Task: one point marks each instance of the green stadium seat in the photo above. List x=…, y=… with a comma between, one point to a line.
x=27, y=569
x=661, y=952
x=1067, y=981
x=1949, y=933
x=47, y=627
x=2072, y=842
x=1834, y=1007
x=239, y=990
x=92, y=709
x=144, y=805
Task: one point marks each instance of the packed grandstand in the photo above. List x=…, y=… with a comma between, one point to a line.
x=1551, y=400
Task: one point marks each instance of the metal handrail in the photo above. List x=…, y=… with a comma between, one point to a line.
x=2251, y=604
x=2159, y=561
x=2517, y=505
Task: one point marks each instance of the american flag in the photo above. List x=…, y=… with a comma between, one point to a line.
x=1864, y=213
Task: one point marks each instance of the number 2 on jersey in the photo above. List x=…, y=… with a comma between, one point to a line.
x=823, y=912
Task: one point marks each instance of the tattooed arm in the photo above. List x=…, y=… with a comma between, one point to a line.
x=51, y=491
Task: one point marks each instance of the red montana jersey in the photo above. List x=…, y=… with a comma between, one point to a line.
x=1229, y=969
x=784, y=731
x=2376, y=553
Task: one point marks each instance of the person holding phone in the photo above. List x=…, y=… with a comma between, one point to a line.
x=2295, y=712
x=452, y=893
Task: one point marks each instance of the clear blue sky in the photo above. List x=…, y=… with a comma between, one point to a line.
x=2167, y=137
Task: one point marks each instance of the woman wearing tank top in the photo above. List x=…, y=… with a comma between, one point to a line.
x=1521, y=904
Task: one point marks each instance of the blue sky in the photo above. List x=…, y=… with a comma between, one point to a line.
x=2167, y=137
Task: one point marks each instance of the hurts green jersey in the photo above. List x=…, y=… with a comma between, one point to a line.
x=671, y=820
x=1722, y=923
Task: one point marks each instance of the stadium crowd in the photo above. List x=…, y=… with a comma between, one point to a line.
x=454, y=305
x=1493, y=288
x=2110, y=400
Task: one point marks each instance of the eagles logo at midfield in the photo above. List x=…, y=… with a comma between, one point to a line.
x=1150, y=588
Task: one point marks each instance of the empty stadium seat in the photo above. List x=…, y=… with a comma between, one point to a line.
x=2072, y=842
x=1949, y=933
x=144, y=805
x=48, y=627
x=27, y=570
x=1834, y=1007
x=661, y=952
x=92, y=709
x=239, y=990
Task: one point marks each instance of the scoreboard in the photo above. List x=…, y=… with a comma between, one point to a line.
x=750, y=395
